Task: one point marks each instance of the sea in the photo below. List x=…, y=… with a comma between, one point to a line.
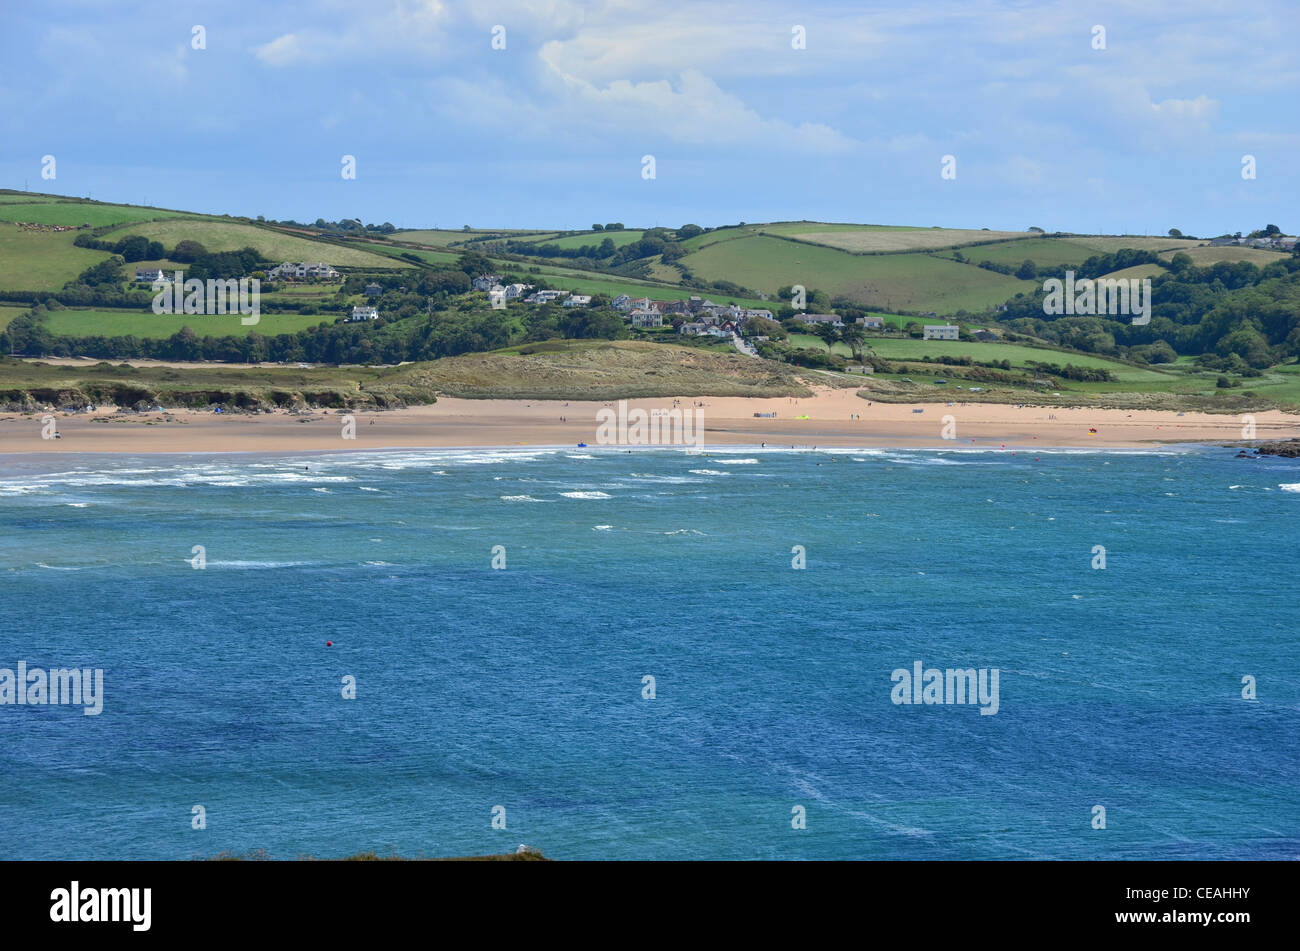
x=654, y=654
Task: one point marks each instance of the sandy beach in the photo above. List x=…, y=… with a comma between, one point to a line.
x=831, y=418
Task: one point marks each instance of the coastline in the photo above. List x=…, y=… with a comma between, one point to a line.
x=831, y=418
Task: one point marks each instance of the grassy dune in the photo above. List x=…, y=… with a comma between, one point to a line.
x=75, y=213
x=602, y=370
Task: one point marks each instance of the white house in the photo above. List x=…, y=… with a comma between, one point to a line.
x=319, y=270
x=647, y=318
x=485, y=282
x=151, y=275
x=812, y=319
x=577, y=300
x=517, y=290
x=363, y=313
x=875, y=323
x=621, y=302
x=941, y=332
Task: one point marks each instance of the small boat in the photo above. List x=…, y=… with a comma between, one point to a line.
x=582, y=445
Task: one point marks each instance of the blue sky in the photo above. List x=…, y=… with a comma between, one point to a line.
x=1144, y=135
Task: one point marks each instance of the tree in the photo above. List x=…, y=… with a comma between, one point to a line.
x=854, y=335
x=688, y=231
x=1028, y=270
x=1175, y=233
x=826, y=330
x=596, y=227
x=187, y=251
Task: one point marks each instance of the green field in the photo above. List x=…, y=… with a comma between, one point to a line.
x=8, y=312
x=907, y=348
x=1203, y=257
x=892, y=281
x=74, y=213
x=41, y=260
x=1045, y=252
x=1108, y=243
x=120, y=323
x=232, y=236
x=24, y=198
x=1137, y=272
x=444, y=237
x=620, y=238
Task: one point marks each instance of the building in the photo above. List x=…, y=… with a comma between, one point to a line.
x=151, y=275
x=873, y=323
x=577, y=300
x=647, y=318
x=987, y=336
x=485, y=282
x=813, y=319
x=318, y=270
x=363, y=313
x=621, y=302
x=941, y=332
x=694, y=327
x=517, y=290
x=374, y=290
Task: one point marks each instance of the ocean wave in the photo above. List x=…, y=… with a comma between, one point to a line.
x=585, y=495
x=520, y=498
x=738, y=462
x=1289, y=486
x=712, y=472
x=601, y=528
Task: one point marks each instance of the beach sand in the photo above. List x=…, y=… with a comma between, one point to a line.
x=824, y=420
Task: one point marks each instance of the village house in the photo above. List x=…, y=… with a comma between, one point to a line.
x=363, y=313
x=485, y=282
x=621, y=302
x=693, y=327
x=813, y=319
x=941, y=332
x=297, y=272
x=874, y=323
x=985, y=335
x=545, y=297
x=151, y=275
x=374, y=290
x=517, y=290
x=577, y=300
x=647, y=318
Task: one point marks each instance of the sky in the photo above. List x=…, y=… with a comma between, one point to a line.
x=542, y=113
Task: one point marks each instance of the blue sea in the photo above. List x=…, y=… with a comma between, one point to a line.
x=524, y=686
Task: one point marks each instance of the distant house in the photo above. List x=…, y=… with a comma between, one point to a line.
x=485, y=282
x=1220, y=242
x=363, y=313
x=875, y=323
x=544, y=297
x=577, y=300
x=517, y=290
x=814, y=319
x=374, y=290
x=647, y=318
x=941, y=332
x=621, y=302
x=765, y=314
x=151, y=275
x=318, y=270
x=987, y=336
x=694, y=327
